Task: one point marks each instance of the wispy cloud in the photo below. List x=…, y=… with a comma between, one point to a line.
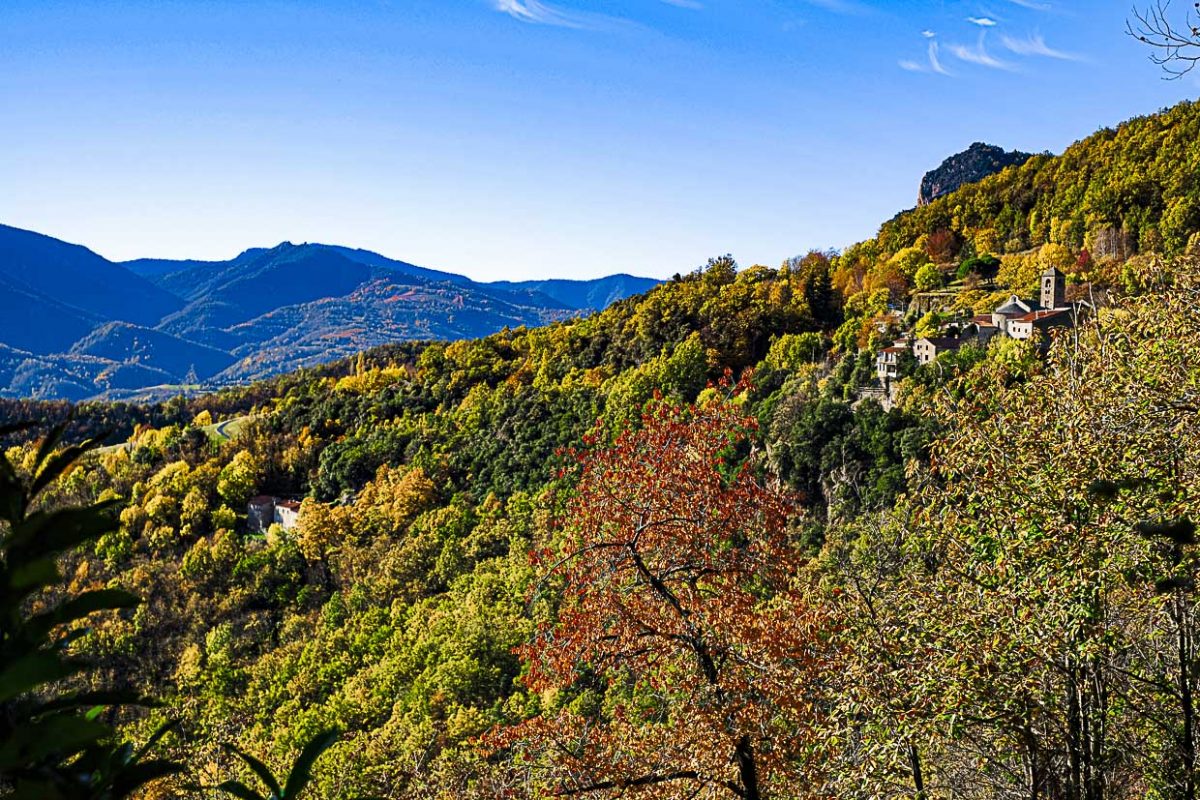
x=1033, y=4
x=928, y=34
x=840, y=6
x=934, y=62
x=694, y=5
x=537, y=12
x=1035, y=45
x=983, y=22
x=978, y=54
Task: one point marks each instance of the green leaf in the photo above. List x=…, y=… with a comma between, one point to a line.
x=48, y=533
x=260, y=769
x=56, y=466
x=12, y=492
x=93, y=699
x=1104, y=489
x=1182, y=532
x=16, y=427
x=32, y=670
x=80, y=607
x=1167, y=585
x=49, y=444
x=157, y=737
x=138, y=775
x=239, y=790
x=59, y=463
x=301, y=772
x=32, y=575
x=60, y=736
x=37, y=789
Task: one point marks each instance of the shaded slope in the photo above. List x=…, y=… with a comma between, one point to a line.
x=379, y=312
x=122, y=342
x=75, y=276
x=590, y=295
x=285, y=275
x=34, y=322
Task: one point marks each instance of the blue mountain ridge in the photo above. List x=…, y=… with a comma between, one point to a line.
x=74, y=325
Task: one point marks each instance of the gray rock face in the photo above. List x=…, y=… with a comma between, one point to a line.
x=973, y=164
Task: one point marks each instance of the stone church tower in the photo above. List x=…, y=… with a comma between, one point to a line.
x=1054, y=289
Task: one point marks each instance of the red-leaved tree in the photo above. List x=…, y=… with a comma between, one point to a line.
x=684, y=660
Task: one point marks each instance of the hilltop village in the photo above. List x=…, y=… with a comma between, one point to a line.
x=1015, y=318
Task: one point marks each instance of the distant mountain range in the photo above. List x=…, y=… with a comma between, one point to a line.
x=74, y=325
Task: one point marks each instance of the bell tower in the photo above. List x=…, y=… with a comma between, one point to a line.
x=1054, y=289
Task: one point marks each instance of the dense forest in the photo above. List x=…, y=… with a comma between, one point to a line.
x=677, y=548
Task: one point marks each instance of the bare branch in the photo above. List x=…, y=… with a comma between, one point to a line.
x=1174, y=46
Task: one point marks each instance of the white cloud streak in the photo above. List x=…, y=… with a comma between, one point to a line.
x=983, y=22
x=538, y=12
x=979, y=54
x=935, y=61
x=1035, y=45
x=840, y=6
x=934, y=64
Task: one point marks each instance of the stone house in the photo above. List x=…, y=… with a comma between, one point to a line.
x=1054, y=290
x=287, y=513
x=260, y=513
x=928, y=349
x=265, y=510
x=1023, y=327
x=887, y=365
x=1052, y=298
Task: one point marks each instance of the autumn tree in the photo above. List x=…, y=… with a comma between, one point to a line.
x=880, y=711
x=238, y=479
x=811, y=274
x=684, y=660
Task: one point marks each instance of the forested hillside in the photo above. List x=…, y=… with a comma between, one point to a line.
x=684, y=547
x=1120, y=191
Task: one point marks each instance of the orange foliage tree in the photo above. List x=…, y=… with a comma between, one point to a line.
x=683, y=659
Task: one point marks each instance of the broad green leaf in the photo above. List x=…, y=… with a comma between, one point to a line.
x=260, y=769
x=60, y=735
x=32, y=670
x=301, y=772
x=81, y=606
x=137, y=775
x=239, y=790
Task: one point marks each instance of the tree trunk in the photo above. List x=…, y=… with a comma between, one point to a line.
x=1033, y=772
x=1075, y=780
x=747, y=769
x=1184, y=656
x=914, y=760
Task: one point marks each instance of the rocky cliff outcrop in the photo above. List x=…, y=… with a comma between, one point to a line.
x=973, y=164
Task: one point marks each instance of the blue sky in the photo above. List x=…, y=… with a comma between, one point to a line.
x=531, y=138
